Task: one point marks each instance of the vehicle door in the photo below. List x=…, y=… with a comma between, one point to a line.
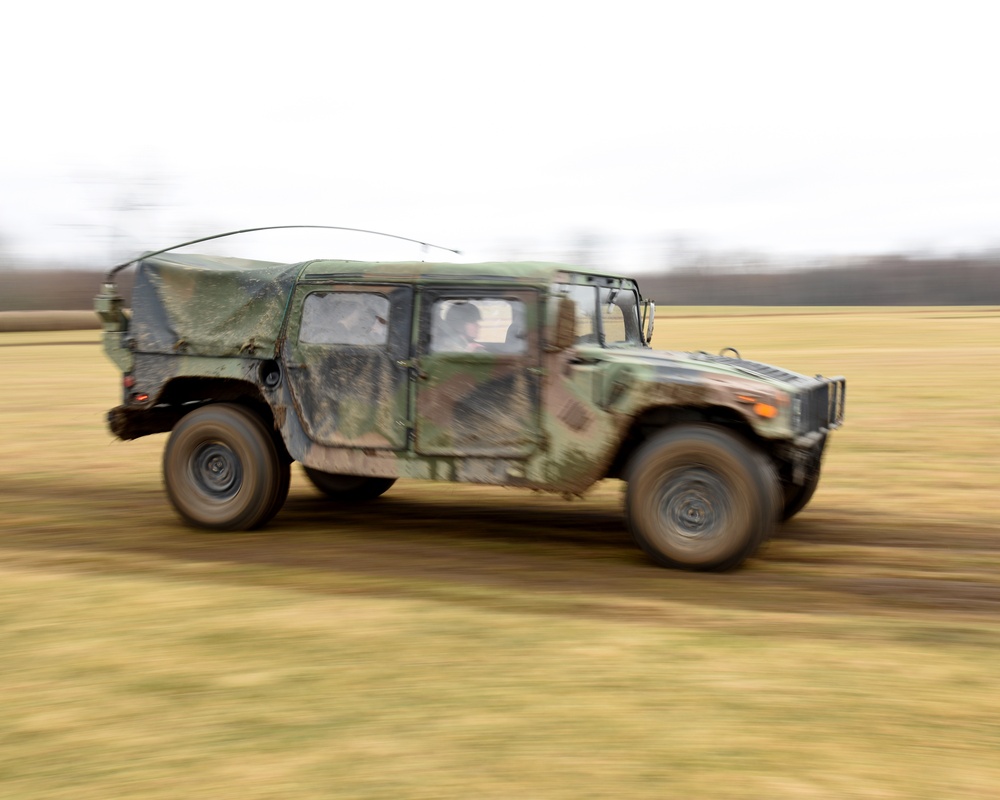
x=478, y=389
x=347, y=350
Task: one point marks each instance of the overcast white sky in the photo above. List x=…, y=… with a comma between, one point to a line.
x=501, y=128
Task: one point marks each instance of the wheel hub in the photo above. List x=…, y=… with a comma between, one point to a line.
x=693, y=504
x=217, y=470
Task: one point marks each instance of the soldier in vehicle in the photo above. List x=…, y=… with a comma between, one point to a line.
x=461, y=329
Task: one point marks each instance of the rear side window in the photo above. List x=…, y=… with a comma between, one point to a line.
x=355, y=318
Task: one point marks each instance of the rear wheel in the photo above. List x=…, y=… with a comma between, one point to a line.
x=222, y=469
x=348, y=489
x=700, y=498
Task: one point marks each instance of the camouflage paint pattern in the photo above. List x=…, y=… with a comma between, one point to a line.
x=351, y=395
x=206, y=329
x=480, y=404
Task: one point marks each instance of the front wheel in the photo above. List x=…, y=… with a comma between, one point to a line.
x=348, y=489
x=222, y=469
x=700, y=498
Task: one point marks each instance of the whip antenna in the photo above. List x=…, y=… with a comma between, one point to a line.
x=425, y=245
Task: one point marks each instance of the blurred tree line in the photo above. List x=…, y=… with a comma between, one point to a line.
x=54, y=289
x=882, y=280
x=897, y=280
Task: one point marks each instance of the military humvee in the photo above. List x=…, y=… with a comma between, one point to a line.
x=528, y=375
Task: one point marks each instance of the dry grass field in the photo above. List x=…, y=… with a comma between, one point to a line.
x=459, y=641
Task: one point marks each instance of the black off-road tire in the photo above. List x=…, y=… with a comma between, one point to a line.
x=223, y=471
x=797, y=497
x=348, y=489
x=700, y=498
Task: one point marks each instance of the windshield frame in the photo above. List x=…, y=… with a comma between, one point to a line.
x=622, y=292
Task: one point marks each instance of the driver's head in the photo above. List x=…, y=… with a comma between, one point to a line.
x=463, y=318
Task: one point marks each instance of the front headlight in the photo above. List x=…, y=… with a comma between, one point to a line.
x=765, y=405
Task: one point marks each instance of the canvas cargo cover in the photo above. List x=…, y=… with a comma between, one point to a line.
x=210, y=306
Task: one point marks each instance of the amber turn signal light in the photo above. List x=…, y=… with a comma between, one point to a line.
x=765, y=410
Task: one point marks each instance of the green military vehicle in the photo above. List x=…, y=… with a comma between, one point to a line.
x=531, y=375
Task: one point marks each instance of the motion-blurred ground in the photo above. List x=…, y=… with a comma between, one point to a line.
x=456, y=641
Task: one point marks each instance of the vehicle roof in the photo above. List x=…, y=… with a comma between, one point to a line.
x=221, y=306
x=531, y=272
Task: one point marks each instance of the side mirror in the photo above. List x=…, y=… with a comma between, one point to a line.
x=648, y=315
x=561, y=324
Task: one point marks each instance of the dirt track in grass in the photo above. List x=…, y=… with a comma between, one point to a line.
x=420, y=538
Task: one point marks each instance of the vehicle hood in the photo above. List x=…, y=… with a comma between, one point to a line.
x=676, y=365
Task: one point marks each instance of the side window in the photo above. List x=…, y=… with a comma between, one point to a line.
x=478, y=325
x=357, y=318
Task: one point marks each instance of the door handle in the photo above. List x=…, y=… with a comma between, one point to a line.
x=412, y=364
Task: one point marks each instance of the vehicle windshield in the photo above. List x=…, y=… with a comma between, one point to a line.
x=607, y=311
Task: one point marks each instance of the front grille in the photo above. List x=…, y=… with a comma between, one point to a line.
x=816, y=408
x=820, y=408
x=836, y=401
